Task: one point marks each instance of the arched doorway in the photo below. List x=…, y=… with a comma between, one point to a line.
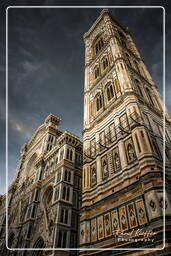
x=39, y=244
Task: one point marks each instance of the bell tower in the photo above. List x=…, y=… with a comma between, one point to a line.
x=123, y=143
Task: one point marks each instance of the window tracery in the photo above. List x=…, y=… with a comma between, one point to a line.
x=96, y=72
x=109, y=91
x=98, y=45
x=98, y=102
x=105, y=62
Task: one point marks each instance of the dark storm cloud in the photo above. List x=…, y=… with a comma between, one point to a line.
x=46, y=64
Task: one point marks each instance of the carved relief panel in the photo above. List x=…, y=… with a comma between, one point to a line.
x=132, y=215
x=107, y=225
x=100, y=227
x=93, y=230
x=142, y=218
x=123, y=218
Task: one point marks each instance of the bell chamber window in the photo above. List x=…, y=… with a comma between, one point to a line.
x=96, y=72
x=109, y=91
x=98, y=45
x=69, y=154
x=67, y=175
x=99, y=102
x=105, y=62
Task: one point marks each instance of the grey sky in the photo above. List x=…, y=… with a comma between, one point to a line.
x=46, y=64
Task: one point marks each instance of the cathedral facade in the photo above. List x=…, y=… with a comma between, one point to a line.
x=44, y=197
x=123, y=194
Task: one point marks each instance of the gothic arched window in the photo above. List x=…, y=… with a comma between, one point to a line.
x=66, y=175
x=68, y=194
x=105, y=62
x=67, y=153
x=99, y=102
x=64, y=193
x=96, y=72
x=110, y=93
x=98, y=45
x=69, y=176
x=38, y=244
x=71, y=154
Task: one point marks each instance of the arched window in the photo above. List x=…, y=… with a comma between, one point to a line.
x=99, y=102
x=62, y=215
x=98, y=45
x=96, y=72
x=110, y=93
x=59, y=175
x=122, y=38
x=69, y=176
x=71, y=154
x=38, y=244
x=68, y=194
x=105, y=62
x=64, y=193
x=61, y=154
x=66, y=175
x=66, y=216
x=59, y=239
x=67, y=153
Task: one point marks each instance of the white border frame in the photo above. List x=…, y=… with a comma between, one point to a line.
x=164, y=111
